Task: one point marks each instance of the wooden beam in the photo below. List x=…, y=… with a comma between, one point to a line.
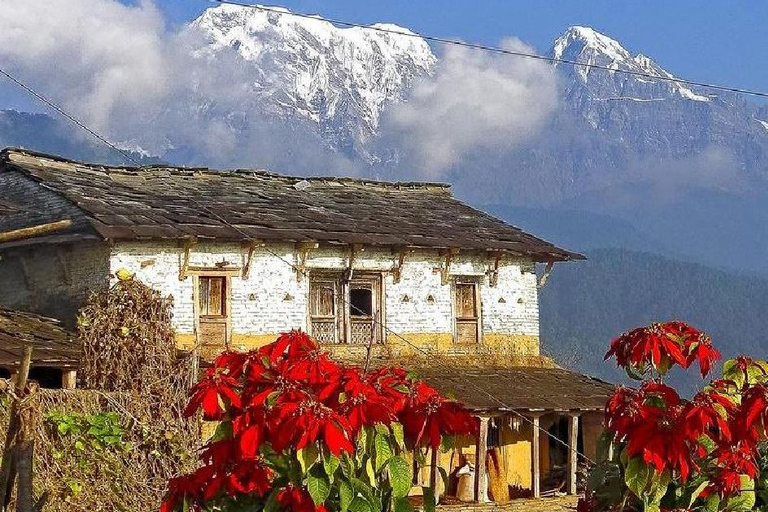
x=251, y=246
x=481, y=452
x=545, y=275
x=40, y=229
x=573, y=461
x=535, y=456
x=189, y=243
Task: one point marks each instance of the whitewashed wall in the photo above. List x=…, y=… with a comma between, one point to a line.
x=272, y=300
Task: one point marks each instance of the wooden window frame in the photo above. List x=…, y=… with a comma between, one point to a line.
x=343, y=303
x=335, y=280
x=478, y=318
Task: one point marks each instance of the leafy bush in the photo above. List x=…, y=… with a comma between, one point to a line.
x=673, y=453
x=300, y=432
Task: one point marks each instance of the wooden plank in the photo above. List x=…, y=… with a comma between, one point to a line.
x=8, y=467
x=29, y=232
x=573, y=433
x=535, y=456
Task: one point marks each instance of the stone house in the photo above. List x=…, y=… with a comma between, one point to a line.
x=398, y=272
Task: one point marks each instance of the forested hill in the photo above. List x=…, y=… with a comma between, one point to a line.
x=585, y=304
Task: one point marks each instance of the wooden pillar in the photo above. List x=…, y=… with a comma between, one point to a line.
x=535, y=456
x=481, y=451
x=69, y=379
x=573, y=433
x=433, y=471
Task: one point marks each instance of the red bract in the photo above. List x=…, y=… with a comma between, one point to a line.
x=214, y=394
x=427, y=416
x=733, y=461
x=301, y=422
x=661, y=345
x=361, y=403
x=297, y=500
x=653, y=422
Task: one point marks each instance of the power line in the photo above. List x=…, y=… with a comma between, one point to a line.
x=499, y=50
x=68, y=116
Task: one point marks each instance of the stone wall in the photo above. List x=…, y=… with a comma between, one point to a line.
x=54, y=281
x=419, y=307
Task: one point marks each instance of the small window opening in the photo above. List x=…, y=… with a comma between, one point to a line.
x=5, y=373
x=361, y=302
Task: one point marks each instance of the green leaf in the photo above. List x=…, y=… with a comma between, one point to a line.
x=397, y=431
x=384, y=450
x=307, y=456
x=403, y=505
x=370, y=473
x=79, y=445
x=318, y=485
x=359, y=505
x=331, y=464
x=346, y=495
x=400, y=476
x=223, y=431
x=697, y=491
x=429, y=499
x=745, y=500
x=637, y=475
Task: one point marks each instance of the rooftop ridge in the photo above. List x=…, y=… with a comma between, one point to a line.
x=6, y=153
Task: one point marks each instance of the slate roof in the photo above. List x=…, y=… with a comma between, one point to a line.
x=51, y=344
x=158, y=202
x=519, y=388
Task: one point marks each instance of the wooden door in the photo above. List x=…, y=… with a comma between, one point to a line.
x=212, y=313
x=467, y=312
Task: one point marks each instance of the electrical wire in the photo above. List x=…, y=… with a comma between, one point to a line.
x=498, y=50
x=68, y=116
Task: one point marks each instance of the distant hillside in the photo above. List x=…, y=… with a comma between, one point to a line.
x=41, y=132
x=585, y=304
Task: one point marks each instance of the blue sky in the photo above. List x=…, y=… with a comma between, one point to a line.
x=718, y=41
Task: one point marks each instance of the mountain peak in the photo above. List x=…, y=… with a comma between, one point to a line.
x=577, y=40
x=591, y=49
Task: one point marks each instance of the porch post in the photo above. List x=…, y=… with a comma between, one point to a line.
x=433, y=471
x=535, y=456
x=69, y=379
x=573, y=432
x=481, y=451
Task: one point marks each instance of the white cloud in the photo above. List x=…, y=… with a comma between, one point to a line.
x=475, y=100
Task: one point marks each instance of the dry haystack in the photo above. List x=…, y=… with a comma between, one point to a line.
x=114, y=445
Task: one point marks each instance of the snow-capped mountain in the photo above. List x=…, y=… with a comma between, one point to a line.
x=587, y=46
x=339, y=79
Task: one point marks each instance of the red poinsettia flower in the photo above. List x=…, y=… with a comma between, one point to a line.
x=249, y=477
x=732, y=462
x=297, y=500
x=214, y=394
x=288, y=345
x=299, y=420
x=655, y=346
x=428, y=416
x=359, y=402
x=749, y=421
x=653, y=423
x=393, y=383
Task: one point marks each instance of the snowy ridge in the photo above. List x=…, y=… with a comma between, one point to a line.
x=587, y=46
x=336, y=77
